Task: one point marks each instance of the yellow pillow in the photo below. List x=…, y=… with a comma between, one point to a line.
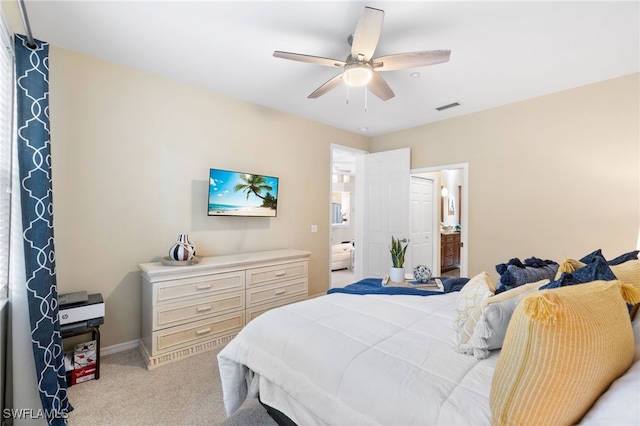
x=569, y=265
x=562, y=350
x=628, y=272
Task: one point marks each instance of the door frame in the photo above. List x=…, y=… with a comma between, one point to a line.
x=464, y=220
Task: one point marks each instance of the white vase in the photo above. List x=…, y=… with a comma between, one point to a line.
x=396, y=275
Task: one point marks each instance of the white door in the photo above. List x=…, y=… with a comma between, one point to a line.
x=423, y=216
x=384, y=209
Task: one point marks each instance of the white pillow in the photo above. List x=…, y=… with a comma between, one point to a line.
x=487, y=323
x=475, y=291
x=619, y=404
x=636, y=336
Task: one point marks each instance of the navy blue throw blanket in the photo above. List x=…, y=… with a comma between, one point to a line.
x=374, y=286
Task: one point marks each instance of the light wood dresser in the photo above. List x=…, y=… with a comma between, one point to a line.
x=194, y=308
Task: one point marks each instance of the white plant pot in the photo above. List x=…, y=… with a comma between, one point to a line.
x=396, y=275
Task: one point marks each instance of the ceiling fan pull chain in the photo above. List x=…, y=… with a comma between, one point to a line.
x=365, y=98
x=347, y=94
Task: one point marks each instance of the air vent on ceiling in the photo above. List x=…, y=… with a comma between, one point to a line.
x=443, y=107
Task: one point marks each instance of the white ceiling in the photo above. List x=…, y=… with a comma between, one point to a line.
x=502, y=52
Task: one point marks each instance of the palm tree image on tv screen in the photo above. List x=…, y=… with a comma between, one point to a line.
x=242, y=194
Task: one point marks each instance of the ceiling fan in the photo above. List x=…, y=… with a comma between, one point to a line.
x=360, y=68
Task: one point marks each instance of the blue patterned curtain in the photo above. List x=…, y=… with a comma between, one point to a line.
x=34, y=162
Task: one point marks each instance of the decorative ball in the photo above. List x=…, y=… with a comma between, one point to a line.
x=422, y=273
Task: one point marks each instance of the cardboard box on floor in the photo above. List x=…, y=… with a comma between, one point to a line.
x=84, y=362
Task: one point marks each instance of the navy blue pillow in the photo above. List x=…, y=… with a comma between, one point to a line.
x=597, y=270
x=516, y=273
x=632, y=255
x=564, y=280
x=591, y=256
x=454, y=284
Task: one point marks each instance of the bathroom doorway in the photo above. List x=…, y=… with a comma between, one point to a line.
x=451, y=197
x=343, y=247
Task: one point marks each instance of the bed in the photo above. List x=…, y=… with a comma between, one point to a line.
x=391, y=360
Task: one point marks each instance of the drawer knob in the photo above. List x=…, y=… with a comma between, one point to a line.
x=280, y=291
x=203, y=308
x=281, y=274
x=203, y=331
x=203, y=287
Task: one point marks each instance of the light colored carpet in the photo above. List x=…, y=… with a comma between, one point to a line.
x=187, y=392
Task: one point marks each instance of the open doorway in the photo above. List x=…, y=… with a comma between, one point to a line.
x=343, y=220
x=450, y=195
x=449, y=217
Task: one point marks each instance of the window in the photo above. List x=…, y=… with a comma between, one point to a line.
x=6, y=142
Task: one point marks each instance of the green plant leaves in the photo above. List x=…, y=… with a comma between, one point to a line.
x=397, y=252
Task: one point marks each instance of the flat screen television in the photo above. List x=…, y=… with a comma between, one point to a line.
x=242, y=194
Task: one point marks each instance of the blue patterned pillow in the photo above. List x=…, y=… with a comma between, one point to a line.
x=597, y=254
x=632, y=255
x=597, y=270
x=527, y=275
x=592, y=256
x=515, y=273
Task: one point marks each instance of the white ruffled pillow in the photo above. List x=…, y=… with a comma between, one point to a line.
x=486, y=326
x=472, y=294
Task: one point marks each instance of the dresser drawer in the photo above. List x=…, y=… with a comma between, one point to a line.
x=185, y=288
x=192, y=333
x=167, y=315
x=451, y=238
x=275, y=273
x=280, y=290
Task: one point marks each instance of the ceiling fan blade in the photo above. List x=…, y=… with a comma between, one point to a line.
x=309, y=59
x=326, y=87
x=365, y=38
x=379, y=87
x=410, y=60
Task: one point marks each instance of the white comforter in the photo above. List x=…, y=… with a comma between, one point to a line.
x=349, y=360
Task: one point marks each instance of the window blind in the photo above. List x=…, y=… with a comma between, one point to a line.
x=6, y=143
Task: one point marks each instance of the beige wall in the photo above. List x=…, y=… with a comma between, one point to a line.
x=131, y=156
x=552, y=177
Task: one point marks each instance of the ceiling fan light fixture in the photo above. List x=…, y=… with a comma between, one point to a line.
x=357, y=75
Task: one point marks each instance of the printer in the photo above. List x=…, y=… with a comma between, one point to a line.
x=79, y=310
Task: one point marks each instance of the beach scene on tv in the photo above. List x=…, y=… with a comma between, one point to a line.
x=242, y=194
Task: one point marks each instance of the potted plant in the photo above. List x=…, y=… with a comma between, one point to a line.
x=397, y=260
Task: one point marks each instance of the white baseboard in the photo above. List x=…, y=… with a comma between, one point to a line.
x=108, y=350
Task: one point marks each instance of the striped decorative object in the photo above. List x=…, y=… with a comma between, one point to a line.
x=182, y=249
x=563, y=349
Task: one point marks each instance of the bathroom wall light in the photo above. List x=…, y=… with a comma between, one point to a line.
x=445, y=191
